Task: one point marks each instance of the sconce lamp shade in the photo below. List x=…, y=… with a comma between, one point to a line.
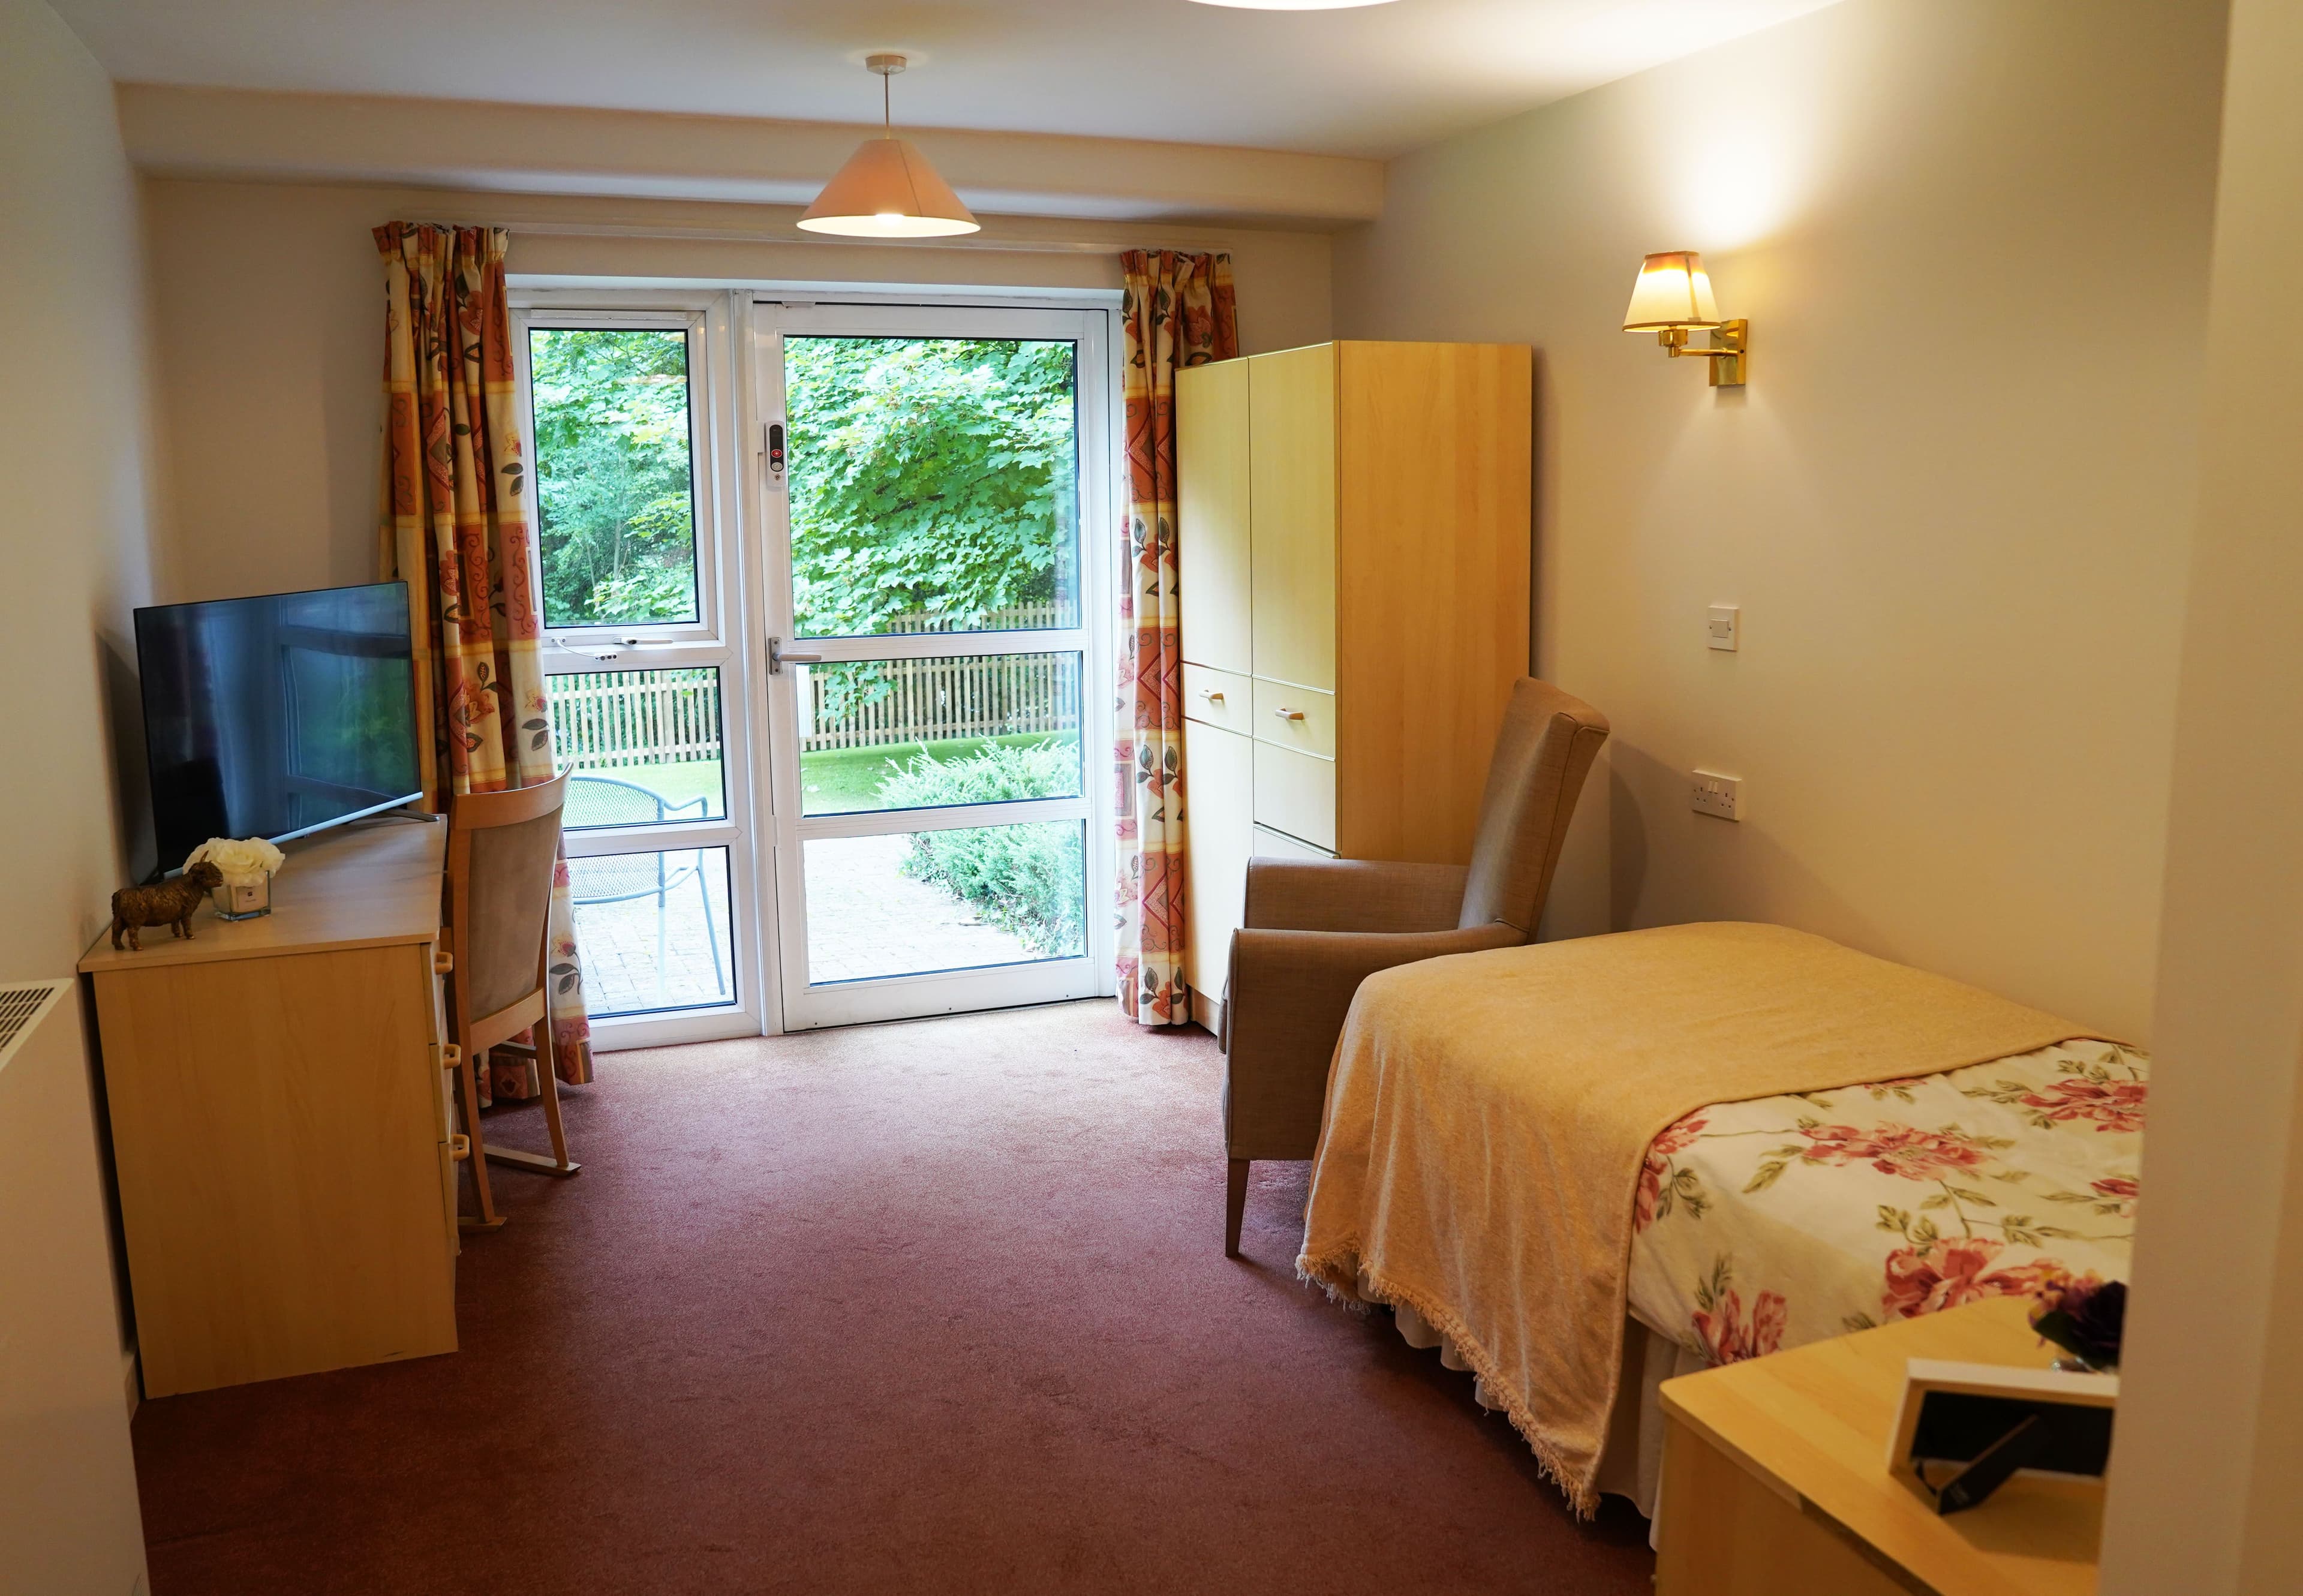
x=888, y=190
x=1673, y=290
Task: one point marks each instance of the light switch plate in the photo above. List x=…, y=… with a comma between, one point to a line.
x=1718, y=795
x=1725, y=628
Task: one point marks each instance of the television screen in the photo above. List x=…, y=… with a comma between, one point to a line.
x=274, y=716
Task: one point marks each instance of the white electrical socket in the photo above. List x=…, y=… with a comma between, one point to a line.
x=1725, y=629
x=1718, y=795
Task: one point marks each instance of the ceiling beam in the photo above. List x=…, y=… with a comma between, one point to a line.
x=544, y=149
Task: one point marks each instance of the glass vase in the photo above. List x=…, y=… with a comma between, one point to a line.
x=242, y=897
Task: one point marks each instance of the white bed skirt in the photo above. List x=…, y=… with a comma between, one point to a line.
x=1632, y=1464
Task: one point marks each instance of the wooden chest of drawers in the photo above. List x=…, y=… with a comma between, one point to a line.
x=279, y=1122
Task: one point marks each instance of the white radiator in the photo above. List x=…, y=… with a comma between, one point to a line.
x=68, y=1520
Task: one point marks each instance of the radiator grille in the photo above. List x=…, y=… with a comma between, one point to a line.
x=20, y=1006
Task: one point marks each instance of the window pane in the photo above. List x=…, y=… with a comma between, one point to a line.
x=904, y=734
x=614, y=484
x=908, y=904
x=934, y=484
x=643, y=746
x=652, y=930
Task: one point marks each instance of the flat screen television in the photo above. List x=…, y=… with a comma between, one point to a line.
x=276, y=716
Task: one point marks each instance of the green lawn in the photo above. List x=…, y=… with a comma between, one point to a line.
x=681, y=783
x=834, y=780
x=843, y=780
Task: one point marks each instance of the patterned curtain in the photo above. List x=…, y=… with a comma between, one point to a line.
x=453, y=524
x=1178, y=311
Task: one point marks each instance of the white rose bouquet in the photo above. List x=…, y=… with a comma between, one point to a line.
x=243, y=863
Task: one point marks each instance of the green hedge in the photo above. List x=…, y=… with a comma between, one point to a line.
x=1030, y=879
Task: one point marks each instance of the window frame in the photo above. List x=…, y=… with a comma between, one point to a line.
x=704, y=489
x=717, y=639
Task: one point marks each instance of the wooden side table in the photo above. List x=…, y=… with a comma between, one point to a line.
x=1776, y=1478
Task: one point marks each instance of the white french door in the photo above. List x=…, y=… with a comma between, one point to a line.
x=934, y=484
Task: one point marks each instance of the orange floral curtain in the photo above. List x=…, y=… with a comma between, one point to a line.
x=453, y=524
x=1178, y=311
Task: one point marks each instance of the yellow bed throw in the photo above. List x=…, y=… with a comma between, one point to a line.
x=1487, y=1114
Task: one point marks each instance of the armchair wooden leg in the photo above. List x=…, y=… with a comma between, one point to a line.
x=1234, y=1204
x=548, y=1082
x=489, y=1219
x=547, y=1066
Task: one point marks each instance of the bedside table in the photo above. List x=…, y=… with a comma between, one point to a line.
x=1776, y=1478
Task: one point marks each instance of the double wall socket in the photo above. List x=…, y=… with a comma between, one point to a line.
x=1713, y=794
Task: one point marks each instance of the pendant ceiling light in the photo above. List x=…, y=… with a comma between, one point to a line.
x=887, y=190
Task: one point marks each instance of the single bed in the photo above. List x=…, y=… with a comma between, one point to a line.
x=1485, y=1174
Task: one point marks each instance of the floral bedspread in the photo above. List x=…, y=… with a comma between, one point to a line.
x=1765, y=1224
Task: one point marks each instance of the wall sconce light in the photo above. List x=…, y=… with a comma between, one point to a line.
x=1672, y=299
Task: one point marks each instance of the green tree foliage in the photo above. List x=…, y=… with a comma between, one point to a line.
x=929, y=476
x=616, y=518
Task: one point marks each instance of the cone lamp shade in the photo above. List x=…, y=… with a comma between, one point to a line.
x=887, y=190
x=1673, y=290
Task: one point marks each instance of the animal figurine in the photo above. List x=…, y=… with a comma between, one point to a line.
x=169, y=904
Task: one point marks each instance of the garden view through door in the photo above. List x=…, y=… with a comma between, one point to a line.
x=932, y=631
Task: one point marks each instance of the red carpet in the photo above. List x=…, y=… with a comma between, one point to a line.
x=939, y=1307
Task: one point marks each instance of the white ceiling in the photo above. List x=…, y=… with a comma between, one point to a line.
x=1374, y=82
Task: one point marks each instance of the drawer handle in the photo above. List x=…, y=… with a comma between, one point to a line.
x=1285, y=713
x=450, y=1055
x=442, y=961
x=459, y=1146
x=1211, y=695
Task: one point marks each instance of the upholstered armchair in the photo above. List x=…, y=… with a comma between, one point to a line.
x=1314, y=929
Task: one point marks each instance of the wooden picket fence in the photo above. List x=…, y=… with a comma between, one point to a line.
x=1022, y=618
x=932, y=700
x=603, y=720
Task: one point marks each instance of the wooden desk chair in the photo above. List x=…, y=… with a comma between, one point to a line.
x=500, y=850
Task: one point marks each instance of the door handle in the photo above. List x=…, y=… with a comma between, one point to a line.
x=1285, y=713
x=778, y=656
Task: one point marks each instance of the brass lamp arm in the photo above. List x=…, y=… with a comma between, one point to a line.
x=1731, y=340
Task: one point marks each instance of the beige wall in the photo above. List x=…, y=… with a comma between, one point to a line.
x=1971, y=237
x=269, y=331
x=2210, y=1449
x=73, y=455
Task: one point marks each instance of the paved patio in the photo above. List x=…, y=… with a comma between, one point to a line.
x=616, y=944
x=865, y=918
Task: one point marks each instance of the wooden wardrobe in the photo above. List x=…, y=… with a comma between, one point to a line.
x=1353, y=550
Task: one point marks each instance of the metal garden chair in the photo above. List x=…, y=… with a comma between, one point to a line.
x=595, y=800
